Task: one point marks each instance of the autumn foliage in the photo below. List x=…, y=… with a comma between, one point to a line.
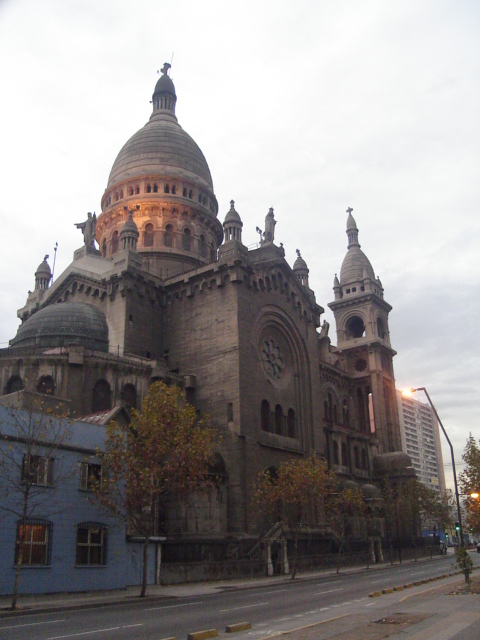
x=165, y=451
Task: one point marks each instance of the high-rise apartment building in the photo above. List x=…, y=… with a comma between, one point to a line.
x=421, y=441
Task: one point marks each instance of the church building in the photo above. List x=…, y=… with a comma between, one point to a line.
x=172, y=293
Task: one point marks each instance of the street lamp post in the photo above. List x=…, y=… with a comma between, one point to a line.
x=459, y=515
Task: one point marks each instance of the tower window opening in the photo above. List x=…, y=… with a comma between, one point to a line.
x=130, y=191
x=166, y=188
x=149, y=188
x=104, y=248
x=354, y=289
x=380, y=328
x=347, y=291
x=174, y=189
x=190, y=194
x=155, y=188
x=355, y=327
x=137, y=190
x=184, y=192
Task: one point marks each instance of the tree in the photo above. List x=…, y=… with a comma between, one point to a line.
x=293, y=494
x=164, y=452
x=343, y=506
x=31, y=465
x=470, y=482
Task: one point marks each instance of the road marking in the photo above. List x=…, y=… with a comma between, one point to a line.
x=274, y=591
x=173, y=606
x=319, y=593
x=382, y=580
x=84, y=633
x=371, y=604
x=30, y=624
x=247, y=606
x=360, y=599
x=342, y=604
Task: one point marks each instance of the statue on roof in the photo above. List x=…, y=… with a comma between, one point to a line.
x=165, y=68
x=89, y=228
x=270, y=223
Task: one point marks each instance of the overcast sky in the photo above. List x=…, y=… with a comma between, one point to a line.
x=309, y=106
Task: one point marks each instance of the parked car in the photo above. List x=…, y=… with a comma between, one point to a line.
x=478, y=547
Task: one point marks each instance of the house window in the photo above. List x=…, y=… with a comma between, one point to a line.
x=90, y=475
x=37, y=470
x=91, y=544
x=36, y=538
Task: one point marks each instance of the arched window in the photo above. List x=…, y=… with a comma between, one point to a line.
x=155, y=188
x=104, y=248
x=325, y=410
x=148, y=235
x=174, y=189
x=101, y=397
x=115, y=242
x=190, y=194
x=345, y=416
x=364, y=460
x=278, y=420
x=166, y=188
x=184, y=192
x=380, y=328
x=344, y=455
x=355, y=327
x=335, y=453
x=212, y=252
x=265, y=416
x=130, y=191
x=129, y=396
x=186, y=237
x=168, y=237
x=356, y=457
x=14, y=384
x=291, y=424
x=46, y=385
x=203, y=246
x=149, y=188
x=137, y=190
x=329, y=407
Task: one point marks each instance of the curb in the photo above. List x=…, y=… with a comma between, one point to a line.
x=417, y=583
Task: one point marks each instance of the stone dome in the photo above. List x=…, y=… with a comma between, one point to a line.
x=62, y=324
x=161, y=147
x=44, y=268
x=300, y=264
x=354, y=265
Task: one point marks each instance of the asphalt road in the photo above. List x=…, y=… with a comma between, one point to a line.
x=270, y=609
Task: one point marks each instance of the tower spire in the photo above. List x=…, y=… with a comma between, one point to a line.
x=352, y=230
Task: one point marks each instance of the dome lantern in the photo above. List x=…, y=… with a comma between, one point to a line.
x=301, y=270
x=43, y=275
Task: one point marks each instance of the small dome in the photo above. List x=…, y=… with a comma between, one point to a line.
x=393, y=463
x=44, y=268
x=300, y=264
x=354, y=265
x=232, y=215
x=129, y=228
x=62, y=324
x=371, y=492
x=165, y=85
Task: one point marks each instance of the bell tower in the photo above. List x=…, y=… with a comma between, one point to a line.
x=361, y=317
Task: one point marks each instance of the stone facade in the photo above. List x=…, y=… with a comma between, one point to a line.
x=185, y=301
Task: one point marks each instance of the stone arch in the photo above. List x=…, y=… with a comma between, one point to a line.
x=46, y=385
x=15, y=383
x=168, y=235
x=355, y=327
x=101, y=396
x=129, y=396
x=381, y=328
x=148, y=235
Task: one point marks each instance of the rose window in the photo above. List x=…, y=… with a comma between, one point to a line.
x=272, y=359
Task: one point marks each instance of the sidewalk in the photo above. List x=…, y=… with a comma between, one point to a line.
x=33, y=604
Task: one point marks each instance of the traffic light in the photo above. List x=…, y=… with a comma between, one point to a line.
x=446, y=535
x=471, y=529
x=457, y=526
